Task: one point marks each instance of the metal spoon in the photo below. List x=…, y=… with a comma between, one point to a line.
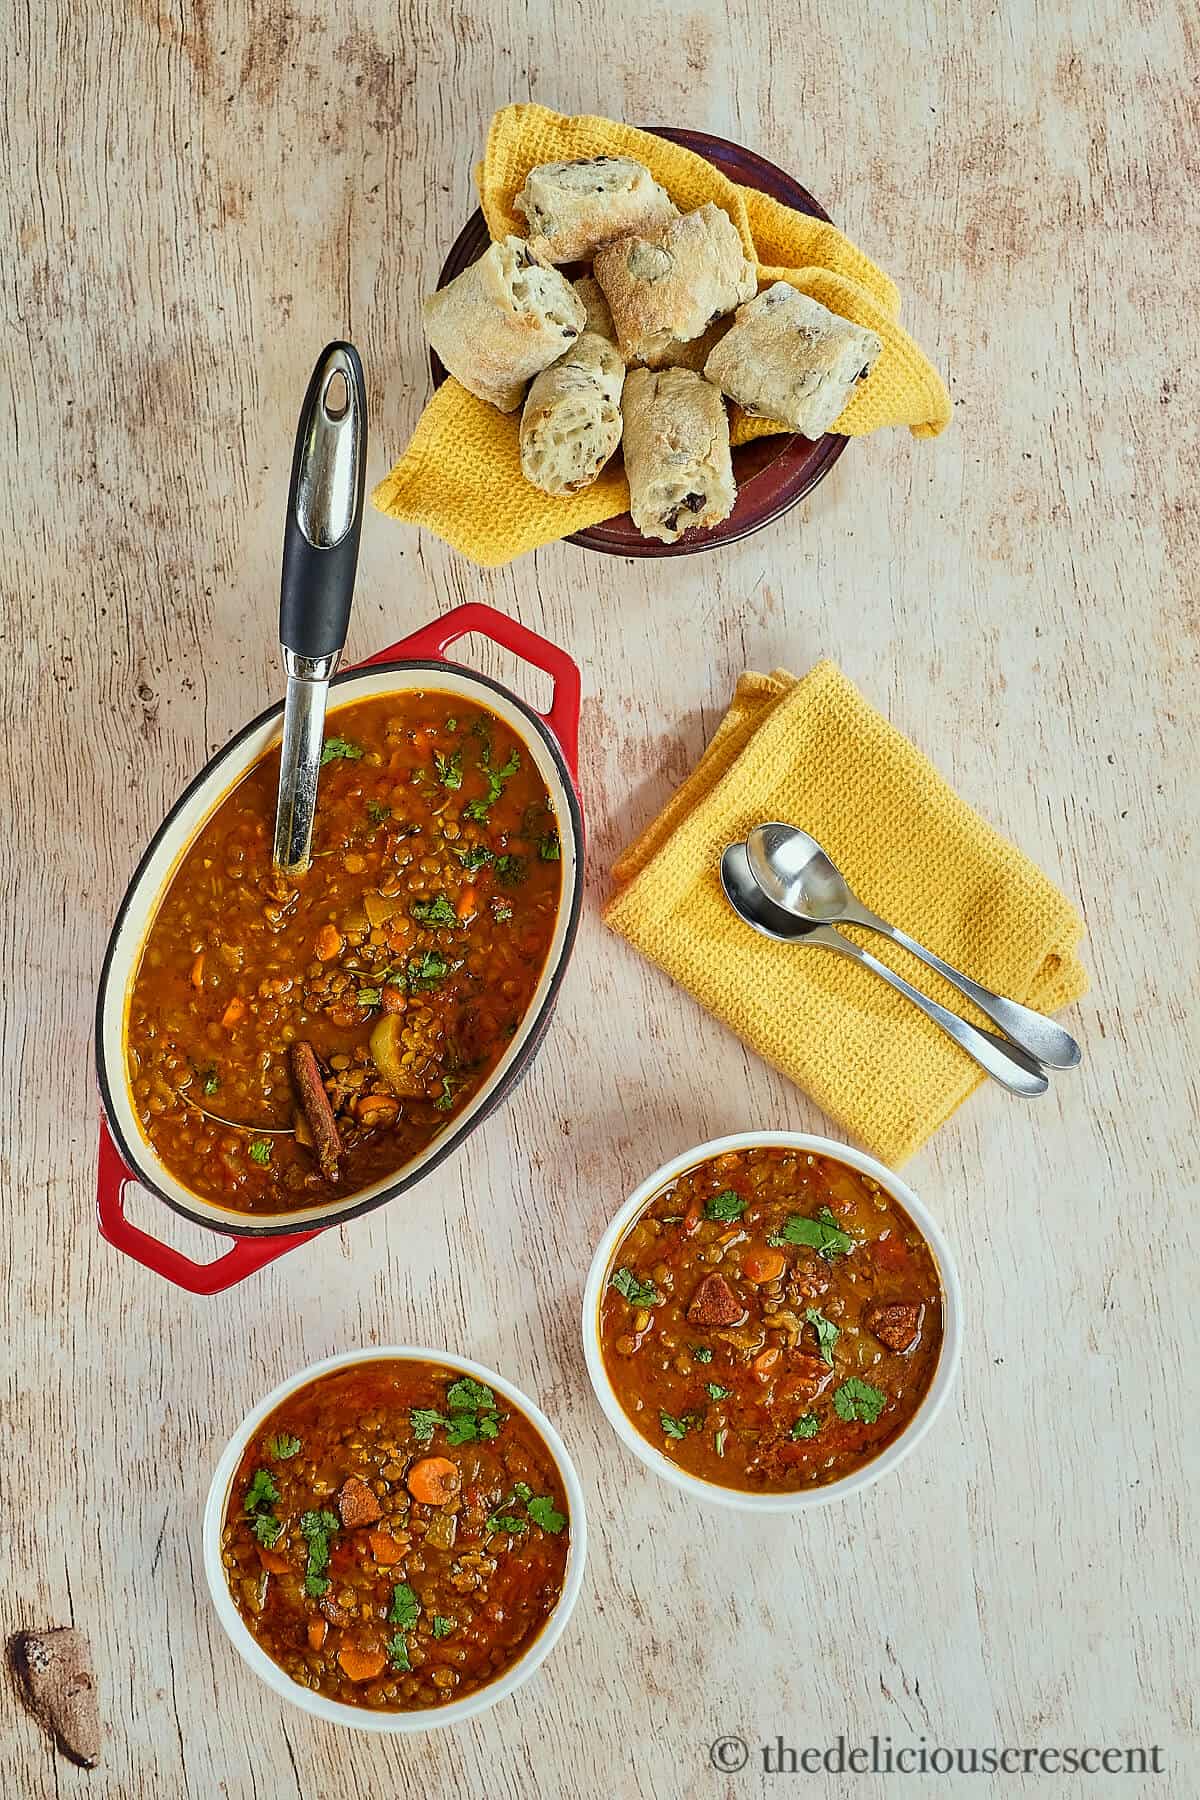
x=794, y=872
x=320, y=559
x=1019, y=1073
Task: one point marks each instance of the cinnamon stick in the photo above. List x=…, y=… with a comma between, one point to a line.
x=318, y=1113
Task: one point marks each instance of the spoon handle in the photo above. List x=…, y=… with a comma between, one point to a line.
x=1004, y=1062
x=1030, y=1031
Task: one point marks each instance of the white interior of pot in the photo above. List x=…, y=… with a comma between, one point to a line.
x=144, y=900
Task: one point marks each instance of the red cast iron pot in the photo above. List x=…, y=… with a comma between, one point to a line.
x=126, y=1156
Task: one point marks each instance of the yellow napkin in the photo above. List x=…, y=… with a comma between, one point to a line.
x=461, y=474
x=814, y=753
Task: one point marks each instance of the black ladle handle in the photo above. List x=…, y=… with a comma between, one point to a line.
x=325, y=504
x=320, y=560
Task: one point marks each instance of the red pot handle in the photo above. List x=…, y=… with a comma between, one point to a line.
x=435, y=638
x=247, y=1256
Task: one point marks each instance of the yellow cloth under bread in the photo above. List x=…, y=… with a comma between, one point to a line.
x=814, y=753
x=461, y=474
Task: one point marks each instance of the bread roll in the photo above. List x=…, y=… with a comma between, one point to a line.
x=675, y=284
x=695, y=352
x=676, y=452
x=599, y=319
x=501, y=320
x=789, y=358
x=572, y=419
x=573, y=207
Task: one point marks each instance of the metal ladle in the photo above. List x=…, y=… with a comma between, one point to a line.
x=1011, y=1067
x=795, y=873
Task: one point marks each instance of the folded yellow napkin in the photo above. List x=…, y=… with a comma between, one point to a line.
x=814, y=753
x=461, y=474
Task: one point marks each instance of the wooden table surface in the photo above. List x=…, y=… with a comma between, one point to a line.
x=196, y=199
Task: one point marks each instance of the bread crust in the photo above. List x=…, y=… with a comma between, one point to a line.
x=502, y=320
x=574, y=207
x=673, y=285
x=599, y=319
x=676, y=452
x=787, y=357
x=571, y=423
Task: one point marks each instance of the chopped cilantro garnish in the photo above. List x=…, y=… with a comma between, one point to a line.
x=467, y=1392
x=339, y=749
x=501, y=911
x=822, y=1234
x=378, y=811
x=674, y=1428
x=638, y=1293
x=507, y=1522
x=715, y=1391
x=702, y=1353
x=282, y=1446
x=449, y=769
x=474, y=856
x=827, y=1332
x=445, y=1099
x=212, y=1080
x=397, y=1653
x=405, y=1609
x=806, y=1426
x=266, y=1529
x=470, y=1416
x=857, y=1399
x=260, y=1152
x=261, y=1493
x=423, y=1421
x=426, y=970
x=496, y=778
x=726, y=1206
x=317, y=1528
x=434, y=912
x=442, y=1627
x=549, y=847
x=543, y=1512
x=511, y=870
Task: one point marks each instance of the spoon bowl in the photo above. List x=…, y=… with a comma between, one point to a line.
x=1005, y=1062
x=796, y=877
x=795, y=873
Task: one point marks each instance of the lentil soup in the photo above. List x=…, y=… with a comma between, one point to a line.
x=771, y=1320
x=294, y=1040
x=396, y=1536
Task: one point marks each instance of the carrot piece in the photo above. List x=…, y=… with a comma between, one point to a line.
x=434, y=1480
x=233, y=1012
x=317, y=1629
x=763, y=1265
x=361, y=1665
x=272, y=1560
x=467, y=903
x=387, y=1549
x=329, y=942
x=197, y=975
x=765, y=1361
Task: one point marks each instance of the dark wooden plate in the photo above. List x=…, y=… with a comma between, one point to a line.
x=772, y=473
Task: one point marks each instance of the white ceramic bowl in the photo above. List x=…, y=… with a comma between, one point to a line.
x=363, y=1718
x=925, y=1414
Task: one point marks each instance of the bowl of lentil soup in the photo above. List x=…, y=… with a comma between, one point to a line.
x=273, y=1059
x=394, y=1539
x=772, y=1321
